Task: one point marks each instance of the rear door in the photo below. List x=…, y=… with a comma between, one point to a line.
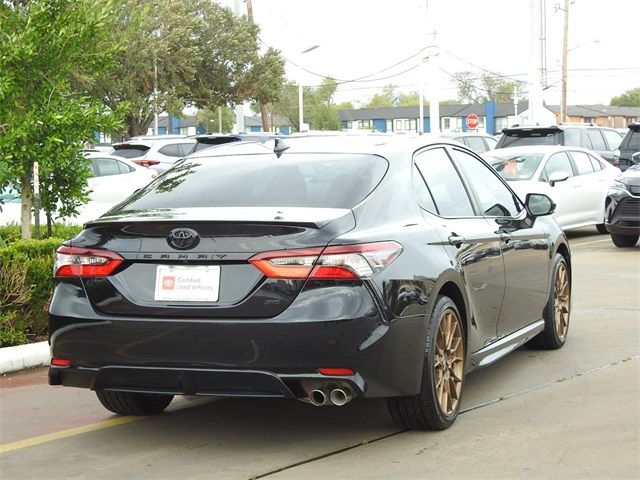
x=562, y=193
x=590, y=187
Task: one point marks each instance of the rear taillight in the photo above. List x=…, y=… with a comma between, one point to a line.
x=344, y=262
x=146, y=163
x=85, y=262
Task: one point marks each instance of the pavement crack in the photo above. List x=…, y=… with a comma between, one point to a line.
x=469, y=409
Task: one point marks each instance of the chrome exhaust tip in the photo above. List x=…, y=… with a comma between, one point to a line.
x=341, y=396
x=317, y=397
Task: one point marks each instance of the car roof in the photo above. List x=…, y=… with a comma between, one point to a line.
x=374, y=144
x=464, y=134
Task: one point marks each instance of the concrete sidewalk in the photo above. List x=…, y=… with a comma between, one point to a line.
x=14, y=359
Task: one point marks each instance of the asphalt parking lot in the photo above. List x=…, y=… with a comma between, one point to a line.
x=570, y=413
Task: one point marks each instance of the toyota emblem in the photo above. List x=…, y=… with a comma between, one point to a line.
x=183, y=238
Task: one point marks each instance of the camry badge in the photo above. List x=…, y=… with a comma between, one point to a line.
x=183, y=238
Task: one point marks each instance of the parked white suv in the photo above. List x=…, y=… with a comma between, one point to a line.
x=158, y=152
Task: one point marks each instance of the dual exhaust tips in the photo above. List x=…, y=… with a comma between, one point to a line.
x=330, y=396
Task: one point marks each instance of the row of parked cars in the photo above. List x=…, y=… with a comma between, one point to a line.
x=579, y=166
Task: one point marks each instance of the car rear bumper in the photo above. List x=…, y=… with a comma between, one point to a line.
x=342, y=327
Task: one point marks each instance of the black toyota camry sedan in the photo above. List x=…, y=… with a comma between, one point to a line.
x=317, y=268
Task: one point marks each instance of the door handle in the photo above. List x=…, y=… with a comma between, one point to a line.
x=456, y=240
x=505, y=237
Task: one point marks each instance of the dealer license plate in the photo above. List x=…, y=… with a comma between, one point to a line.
x=187, y=283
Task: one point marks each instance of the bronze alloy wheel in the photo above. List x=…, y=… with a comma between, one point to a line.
x=449, y=364
x=561, y=301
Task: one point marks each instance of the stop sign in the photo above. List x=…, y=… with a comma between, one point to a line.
x=472, y=121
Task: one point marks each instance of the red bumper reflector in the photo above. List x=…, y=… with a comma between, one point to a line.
x=60, y=362
x=336, y=371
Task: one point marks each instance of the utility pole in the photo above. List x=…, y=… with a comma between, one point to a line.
x=263, y=108
x=535, y=88
x=239, y=107
x=565, y=43
x=433, y=72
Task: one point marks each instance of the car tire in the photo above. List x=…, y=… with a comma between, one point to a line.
x=624, y=241
x=131, y=403
x=558, y=309
x=602, y=228
x=438, y=403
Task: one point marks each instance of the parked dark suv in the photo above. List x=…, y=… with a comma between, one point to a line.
x=622, y=208
x=630, y=145
x=601, y=140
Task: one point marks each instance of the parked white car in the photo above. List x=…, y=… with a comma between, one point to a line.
x=114, y=180
x=575, y=178
x=158, y=152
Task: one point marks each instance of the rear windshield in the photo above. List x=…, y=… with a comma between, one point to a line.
x=514, y=167
x=211, y=142
x=295, y=180
x=523, y=139
x=129, y=150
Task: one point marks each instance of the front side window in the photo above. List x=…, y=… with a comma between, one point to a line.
x=447, y=190
x=476, y=144
x=558, y=162
x=514, y=167
x=494, y=196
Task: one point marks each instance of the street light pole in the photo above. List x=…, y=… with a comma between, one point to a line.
x=565, y=40
x=300, y=99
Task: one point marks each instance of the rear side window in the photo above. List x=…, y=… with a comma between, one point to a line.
x=130, y=150
x=109, y=166
x=613, y=138
x=583, y=163
x=176, y=149
x=596, y=139
x=572, y=137
x=446, y=187
x=596, y=164
x=295, y=180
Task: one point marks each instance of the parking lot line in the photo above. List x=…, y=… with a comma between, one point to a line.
x=589, y=243
x=30, y=442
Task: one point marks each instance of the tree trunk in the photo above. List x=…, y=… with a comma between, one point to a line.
x=264, y=117
x=136, y=126
x=49, y=225
x=27, y=204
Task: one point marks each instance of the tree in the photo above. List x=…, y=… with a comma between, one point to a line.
x=483, y=89
x=388, y=98
x=411, y=99
x=52, y=52
x=630, y=98
x=209, y=118
x=318, y=105
x=186, y=52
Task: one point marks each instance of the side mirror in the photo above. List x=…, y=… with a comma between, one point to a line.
x=539, y=205
x=556, y=177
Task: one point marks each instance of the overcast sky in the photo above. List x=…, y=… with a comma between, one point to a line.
x=358, y=38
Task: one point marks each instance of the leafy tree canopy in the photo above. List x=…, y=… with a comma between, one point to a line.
x=52, y=53
x=630, y=98
x=195, y=52
x=483, y=89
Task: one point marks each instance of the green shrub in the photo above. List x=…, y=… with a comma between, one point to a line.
x=11, y=233
x=26, y=268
